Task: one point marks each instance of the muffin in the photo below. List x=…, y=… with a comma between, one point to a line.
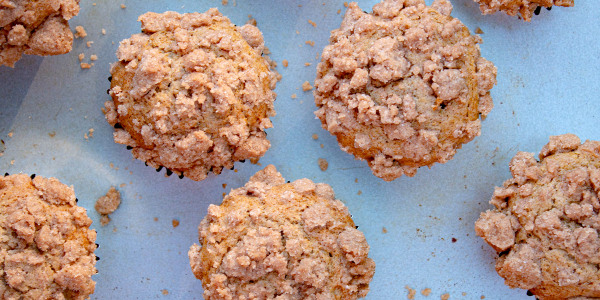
x=404, y=86
x=277, y=240
x=35, y=27
x=192, y=93
x=545, y=223
x=525, y=8
x=46, y=246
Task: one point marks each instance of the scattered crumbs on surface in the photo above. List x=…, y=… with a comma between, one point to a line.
x=80, y=32
x=454, y=240
x=111, y=165
x=315, y=136
x=224, y=185
x=114, y=229
x=85, y=65
x=355, y=180
x=235, y=171
x=224, y=2
x=122, y=185
x=107, y=204
x=285, y=63
x=224, y=194
x=339, y=11
x=81, y=56
x=478, y=30
x=307, y=64
x=464, y=293
x=384, y=230
x=175, y=223
x=94, y=4
x=91, y=132
x=482, y=297
x=323, y=164
x=426, y=292
x=123, y=6
x=165, y=291
x=359, y=192
x=294, y=96
x=322, y=146
x=445, y=296
x=10, y=134
x=345, y=4
x=103, y=31
x=297, y=32
x=306, y=86
x=93, y=57
x=312, y=23
x=309, y=42
x=89, y=43
x=411, y=292
x=155, y=219
x=12, y=162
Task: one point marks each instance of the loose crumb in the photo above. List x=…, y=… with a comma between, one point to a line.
x=323, y=164
x=297, y=32
x=346, y=4
x=93, y=57
x=155, y=219
x=10, y=134
x=384, y=230
x=252, y=21
x=81, y=56
x=312, y=43
x=285, y=63
x=445, y=296
x=322, y=146
x=103, y=31
x=224, y=185
x=307, y=64
x=122, y=185
x=411, y=292
x=52, y=134
x=312, y=23
x=478, y=30
x=89, y=43
x=91, y=132
x=294, y=96
x=306, y=86
x=123, y=6
x=85, y=65
x=482, y=297
x=426, y=292
x=224, y=2
x=175, y=223
x=107, y=204
x=80, y=32
x=339, y=11
x=165, y=291
x=12, y=162
x=464, y=293
x=359, y=192
x=315, y=136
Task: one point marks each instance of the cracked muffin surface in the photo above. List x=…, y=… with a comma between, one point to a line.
x=46, y=246
x=404, y=86
x=35, y=27
x=192, y=93
x=276, y=240
x=546, y=221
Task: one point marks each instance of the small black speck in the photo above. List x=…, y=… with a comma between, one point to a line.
x=6, y=174
x=109, y=78
x=356, y=227
x=529, y=293
x=159, y=168
x=117, y=125
x=108, y=91
x=537, y=10
x=503, y=253
x=32, y=176
x=243, y=161
x=97, y=246
x=288, y=181
x=549, y=8
x=97, y=257
x=181, y=176
x=146, y=164
x=442, y=105
x=76, y=200
x=454, y=240
x=129, y=147
x=330, y=255
x=232, y=167
x=169, y=172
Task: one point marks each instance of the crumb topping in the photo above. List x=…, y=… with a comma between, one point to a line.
x=192, y=93
x=46, y=246
x=525, y=8
x=35, y=27
x=272, y=240
x=403, y=87
x=546, y=220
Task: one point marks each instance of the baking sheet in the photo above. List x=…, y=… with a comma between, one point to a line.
x=548, y=84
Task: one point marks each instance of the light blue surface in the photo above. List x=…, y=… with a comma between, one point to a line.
x=548, y=84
